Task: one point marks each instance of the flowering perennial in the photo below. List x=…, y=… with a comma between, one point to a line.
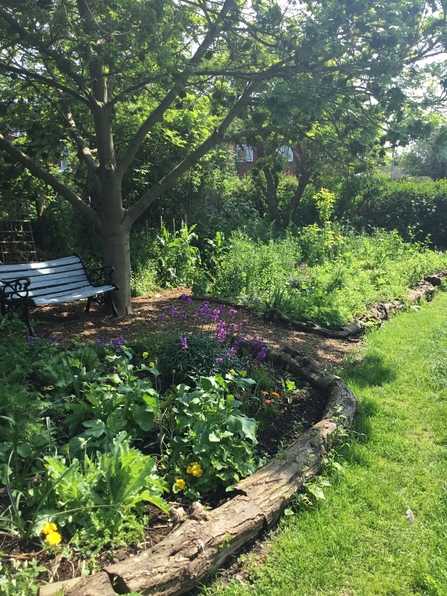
x=52, y=536
x=195, y=469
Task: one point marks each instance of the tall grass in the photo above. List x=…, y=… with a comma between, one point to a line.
x=359, y=541
x=328, y=275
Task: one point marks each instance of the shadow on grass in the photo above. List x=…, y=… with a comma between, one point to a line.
x=371, y=371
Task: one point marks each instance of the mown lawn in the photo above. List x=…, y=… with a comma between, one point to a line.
x=359, y=540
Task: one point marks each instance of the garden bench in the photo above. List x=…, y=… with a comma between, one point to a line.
x=25, y=285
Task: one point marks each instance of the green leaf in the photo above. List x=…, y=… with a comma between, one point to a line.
x=143, y=417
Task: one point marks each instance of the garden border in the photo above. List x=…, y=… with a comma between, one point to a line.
x=202, y=543
x=378, y=312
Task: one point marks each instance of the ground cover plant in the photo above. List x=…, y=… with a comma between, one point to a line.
x=381, y=528
x=328, y=275
x=97, y=435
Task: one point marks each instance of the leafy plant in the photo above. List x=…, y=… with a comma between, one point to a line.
x=213, y=442
x=106, y=486
x=178, y=258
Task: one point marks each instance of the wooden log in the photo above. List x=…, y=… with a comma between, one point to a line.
x=190, y=553
x=198, y=547
x=272, y=487
x=92, y=585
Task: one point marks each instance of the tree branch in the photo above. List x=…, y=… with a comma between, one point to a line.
x=171, y=178
x=46, y=81
x=51, y=180
x=164, y=105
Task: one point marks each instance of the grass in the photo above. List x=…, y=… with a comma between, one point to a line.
x=359, y=541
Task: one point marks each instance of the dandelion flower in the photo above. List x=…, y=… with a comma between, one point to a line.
x=53, y=538
x=180, y=483
x=48, y=528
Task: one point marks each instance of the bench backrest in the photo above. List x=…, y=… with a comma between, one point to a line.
x=58, y=276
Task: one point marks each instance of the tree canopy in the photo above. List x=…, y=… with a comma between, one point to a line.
x=104, y=81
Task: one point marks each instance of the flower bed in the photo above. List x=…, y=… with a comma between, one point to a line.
x=96, y=435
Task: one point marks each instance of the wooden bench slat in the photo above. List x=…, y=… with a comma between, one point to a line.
x=44, y=272
x=50, y=282
x=70, y=297
x=54, y=263
x=64, y=289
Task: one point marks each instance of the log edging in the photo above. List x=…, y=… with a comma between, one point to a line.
x=377, y=313
x=202, y=544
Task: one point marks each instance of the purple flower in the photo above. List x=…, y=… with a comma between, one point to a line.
x=183, y=314
x=173, y=311
x=184, y=343
x=221, y=331
x=261, y=355
x=215, y=315
x=231, y=353
x=204, y=311
x=186, y=298
x=219, y=360
x=232, y=312
x=117, y=342
x=163, y=318
x=239, y=327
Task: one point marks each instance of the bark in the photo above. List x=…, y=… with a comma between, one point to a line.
x=271, y=195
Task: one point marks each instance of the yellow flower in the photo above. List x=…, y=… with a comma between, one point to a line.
x=53, y=538
x=180, y=483
x=195, y=469
x=145, y=355
x=232, y=371
x=152, y=364
x=48, y=528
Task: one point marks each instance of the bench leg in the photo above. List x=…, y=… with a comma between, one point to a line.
x=111, y=302
x=89, y=301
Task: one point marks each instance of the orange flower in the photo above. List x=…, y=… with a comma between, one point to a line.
x=264, y=392
x=268, y=401
x=275, y=394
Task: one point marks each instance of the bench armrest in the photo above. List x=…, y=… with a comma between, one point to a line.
x=14, y=289
x=101, y=275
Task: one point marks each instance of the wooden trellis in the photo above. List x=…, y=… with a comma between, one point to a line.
x=16, y=233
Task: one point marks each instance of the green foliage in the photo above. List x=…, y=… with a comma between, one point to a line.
x=212, y=434
x=110, y=484
x=204, y=355
x=328, y=275
x=417, y=210
x=178, y=259
x=20, y=578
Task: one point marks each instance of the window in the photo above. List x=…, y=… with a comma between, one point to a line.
x=244, y=153
x=287, y=152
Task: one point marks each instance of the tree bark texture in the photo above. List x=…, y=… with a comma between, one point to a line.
x=201, y=544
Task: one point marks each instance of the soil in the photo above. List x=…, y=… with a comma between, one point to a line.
x=67, y=322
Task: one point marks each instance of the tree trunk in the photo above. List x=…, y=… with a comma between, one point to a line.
x=116, y=250
x=271, y=196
